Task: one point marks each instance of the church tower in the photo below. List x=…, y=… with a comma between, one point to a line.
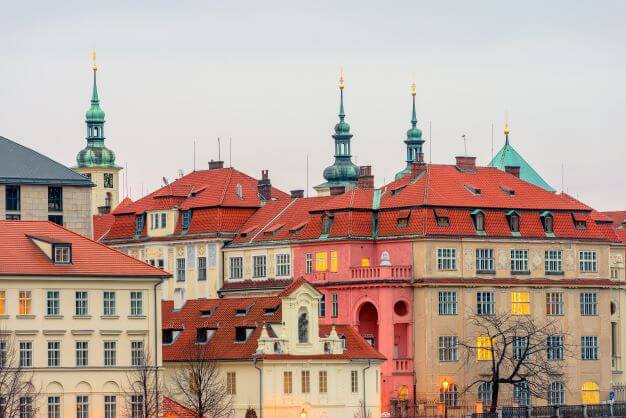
x=413, y=141
x=96, y=161
x=343, y=174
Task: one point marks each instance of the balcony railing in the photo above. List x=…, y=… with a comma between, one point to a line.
x=403, y=365
x=381, y=272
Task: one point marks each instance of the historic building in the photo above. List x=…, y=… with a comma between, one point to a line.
x=34, y=187
x=183, y=226
x=79, y=315
x=96, y=161
x=275, y=354
x=413, y=141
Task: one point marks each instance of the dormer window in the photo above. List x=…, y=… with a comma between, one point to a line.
x=513, y=219
x=580, y=222
x=403, y=218
x=242, y=334
x=507, y=190
x=139, y=220
x=186, y=219
x=327, y=224
x=272, y=310
x=478, y=217
x=62, y=253
x=441, y=217
x=158, y=220
x=239, y=191
x=207, y=313
x=547, y=221
x=170, y=335
x=247, y=231
x=203, y=335
x=242, y=311
x=473, y=190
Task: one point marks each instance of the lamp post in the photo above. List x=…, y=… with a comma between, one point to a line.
x=303, y=413
x=445, y=385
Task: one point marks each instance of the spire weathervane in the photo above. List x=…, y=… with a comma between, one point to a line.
x=506, y=126
x=93, y=57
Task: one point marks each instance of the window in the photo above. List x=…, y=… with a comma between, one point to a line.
x=554, y=303
x=110, y=353
x=447, y=303
x=334, y=262
x=308, y=261
x=548, y=222
x=82, y=353
x=365, y=262
x=136, y=303
x=554, y=261
x=484, y=260
x=485, y=391
x=12, y=198
x=82, y=406
x=242, y=334
x=3, y=353
x=203, y=335
x=485, y=303
x=554, y=345
x=446, y=258
x=236, y=267
x=323, y=381
x=590, y=393
x=186, y=219
x=334, y=305
x=322, y=306
x=479, y=220
x=287, y=382
x=521, y=394
x=136, y=406
x=305, y=381
x=110, y=406
x=520, y=348
x=81, y=303
x=259, y=266
x=231, y=383
x=449, y=396
x=163, y=220
x=54, y=353
x=54, y=407
x=25, y=302
x=520, y=303
x=589, y=304
x=327, y=224
x=26, y=407
x=26, y=354
x=136, y=353
x=354, y=381
x=513, y=219
x=589, y=347
x=3, y=306
x=283, y=265
x=139, y=221
x=55, y=199
x=108, y=180
x=53, y=303
x=588, y=262
x=180, y=269
x=448, y=348
x=519, y=261
x=556, y=394
x=483, y=348
x=109, y=303
x=321, y=261
x=201, y=268
x=62, y=254
x=441, y=220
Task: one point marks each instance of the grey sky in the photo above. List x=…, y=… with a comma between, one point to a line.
x=265, y=73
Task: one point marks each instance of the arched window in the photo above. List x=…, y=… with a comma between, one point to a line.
x=590, y=393
x=303, y=327
x=556, y=394
x=450, y=396
x=485, y=391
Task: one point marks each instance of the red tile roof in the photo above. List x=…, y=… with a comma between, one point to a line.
x=19, y=255
x=172, y=409
x=101, y=225
x=618, y=217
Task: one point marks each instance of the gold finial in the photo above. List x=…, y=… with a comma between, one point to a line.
x=506, y=124
x=93, y=57
x=341, y=83
x=413, y=89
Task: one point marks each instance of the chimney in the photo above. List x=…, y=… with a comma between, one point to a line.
x=512, y=169
x=365, y=180
x=337, y=190
x=215, y=164
x=466, y=164
x=297, y=194
x=264, y=186
x=417, y=168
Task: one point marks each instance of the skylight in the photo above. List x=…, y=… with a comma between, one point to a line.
x=473, y=190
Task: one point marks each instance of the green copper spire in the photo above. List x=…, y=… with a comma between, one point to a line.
x=413, y=140
x=95, y=154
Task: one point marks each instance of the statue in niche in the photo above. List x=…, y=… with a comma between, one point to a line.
x=303, y=328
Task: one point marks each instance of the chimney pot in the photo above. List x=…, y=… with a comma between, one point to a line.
x=297, y=194
x=215, y=164
x=466, y=164
x=265, y=186
x=366, y=179
x=512, y=169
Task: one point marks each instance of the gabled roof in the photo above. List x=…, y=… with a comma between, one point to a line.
x=172, y=409
x=20, y=256
x=508, y=156
x=22, y=165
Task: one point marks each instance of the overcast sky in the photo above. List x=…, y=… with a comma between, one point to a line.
x=265, y=73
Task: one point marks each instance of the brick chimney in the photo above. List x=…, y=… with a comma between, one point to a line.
x=297, y=194
x=466, y=164
x=337, y=190
x=417, y=168
x=215, y=164
x=366, y=179
x=512, y=169
x=264, y=186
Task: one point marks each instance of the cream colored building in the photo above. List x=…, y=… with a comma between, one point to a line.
x=79, y=315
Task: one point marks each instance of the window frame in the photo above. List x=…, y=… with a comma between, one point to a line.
x=136, y=303
x=446, y=259
x=53, y=304
x=82, y=353
x=553, y=261
x=283, y=265
x=25, y=302
x=589, y=347
x=259, y=266
x=181, y=269
x=588, y=261
x=447, y=302
x=485, y=260
x=110, y=353
x=202, y=268
x=235, y=265
x=588, y=303
x=519, y=261
x=555, y=304
x=81, y=305
x=448, y=348
x=109, y=303
x=54, y=353
x=486, y=306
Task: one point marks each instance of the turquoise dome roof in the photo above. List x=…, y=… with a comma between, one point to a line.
x=95, y=156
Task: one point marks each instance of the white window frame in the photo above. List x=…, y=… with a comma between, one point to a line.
x=53, y=304
x=446, y=259
x=589, y=347
x=588, y=261
x=82, y=406
x=181, y=269
x=202, y=268
x=110, y=406
x=485, y=260
x=308, y=263
x=554, y=261
x=109, y=303
x=136, y=303
x=554, y=344
x=82, y=353
x=26, y=353
x=110, y=353
x=62, y=254
x=137, y=353
x=486, y=302
x=554, y=304
x=448, y=348
x=81, y=303
x=519, y=260
x=54, y=406
x=235, y=268
x=588, y=303
x=54, y=353
x=283, y=265
x=259, y=266
x=447, y=302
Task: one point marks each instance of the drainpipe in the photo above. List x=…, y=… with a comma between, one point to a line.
x=260, y=369
x=369, y=364
x=156, y=346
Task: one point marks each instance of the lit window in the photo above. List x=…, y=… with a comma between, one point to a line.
x=520, y=303
x=590, y=393
x=25, y=302
x=588, y=262
x=365, y=262
x=589, y=304
x=447, y=303
x=354, y=381
x=519, y=261
x=446, y=258
x=62, y=254
x=236, y=267
x=287, y=382
x=554, y=261
x=589, y=347
x=484, y=260
x=231, y=383
x=334, y=263
x=321, y=261
x=283, y=266
x=3, y=307
x=483, y=348
x=554, y=303
x=259, y=266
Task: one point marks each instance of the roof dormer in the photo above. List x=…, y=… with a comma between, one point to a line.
x=59, y=252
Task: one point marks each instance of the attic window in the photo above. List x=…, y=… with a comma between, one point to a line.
x=170, y=335
x=473, y=190
x=327, y=224
x=580, y=222
x=242, y=334
x=242, y=311
x=186, y=219
x=478, y=218
x=547, y=221
x=247, y=231
x=139, y=221
x=62, y=253
x=441, y=217
x=207, y=313
x=508, y=190
x=273, y=230
x=239, y=191
x=271, y=311
x=298, y=228
x=403, y=218
x=342, y=339
x=397, y=190
x=203, y=335
x=513, y=219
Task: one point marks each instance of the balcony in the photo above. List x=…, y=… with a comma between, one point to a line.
x=381, y=272
x=403, y=365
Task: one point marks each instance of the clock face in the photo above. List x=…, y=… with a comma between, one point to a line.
x=108, y=180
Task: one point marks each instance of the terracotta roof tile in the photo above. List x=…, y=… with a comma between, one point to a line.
x=172, y=409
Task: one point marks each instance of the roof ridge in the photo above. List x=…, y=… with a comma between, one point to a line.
x=226, y=184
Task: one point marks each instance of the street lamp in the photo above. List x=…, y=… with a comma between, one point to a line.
x=444, y=389
x=303, y=413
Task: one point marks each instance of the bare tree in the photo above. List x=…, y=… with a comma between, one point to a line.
x=515, y=350
x=362, y=412
x=17, y=391
x=143, y=389
x=199, y=384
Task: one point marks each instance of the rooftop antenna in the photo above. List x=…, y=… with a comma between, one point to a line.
x=307, y=175
x=165, y=182
x=230, y=151
x=464, y=137
x=126, y=179
x=562, y=178
x=492, y=141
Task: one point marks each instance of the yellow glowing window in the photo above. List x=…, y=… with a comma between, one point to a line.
x=590, y=393
x=25, y=302
x=321, y=261
x=365, y=262
x=520, y=303
x=334, y=267
x=2, y=302
x=483, y=348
